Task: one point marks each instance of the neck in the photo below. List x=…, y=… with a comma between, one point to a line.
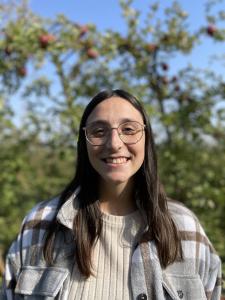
x=117, y=199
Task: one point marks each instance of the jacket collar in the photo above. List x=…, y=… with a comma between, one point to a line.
x=68, y=211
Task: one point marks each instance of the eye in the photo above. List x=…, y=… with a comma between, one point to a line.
x=97, y=131
x=128, y=129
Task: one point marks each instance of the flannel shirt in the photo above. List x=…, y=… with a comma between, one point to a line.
x=27, y=276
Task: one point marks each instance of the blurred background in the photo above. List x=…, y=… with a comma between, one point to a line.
x=55, y=56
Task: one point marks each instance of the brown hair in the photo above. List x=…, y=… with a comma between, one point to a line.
x=152, y=200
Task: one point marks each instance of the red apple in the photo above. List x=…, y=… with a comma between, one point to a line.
x=164, y=66
x=177, y=88
x=22, y=71
x=92, y=53
x=83, y=30
x=174, y=79
x=45, y=40
x=211, y=29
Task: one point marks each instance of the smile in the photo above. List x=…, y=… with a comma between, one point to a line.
x=116, y=160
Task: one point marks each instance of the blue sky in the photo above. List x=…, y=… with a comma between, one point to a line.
x=106, y=14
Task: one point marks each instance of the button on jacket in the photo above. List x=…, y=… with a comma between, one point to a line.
x=196, y=277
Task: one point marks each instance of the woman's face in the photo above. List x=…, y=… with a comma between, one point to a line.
x=115, y=161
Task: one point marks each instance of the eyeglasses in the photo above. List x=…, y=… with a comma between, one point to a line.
x=130, y=132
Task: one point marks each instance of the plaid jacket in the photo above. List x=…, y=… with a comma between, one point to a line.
x=27, y=276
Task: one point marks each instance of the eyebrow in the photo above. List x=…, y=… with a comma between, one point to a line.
x=99, y=121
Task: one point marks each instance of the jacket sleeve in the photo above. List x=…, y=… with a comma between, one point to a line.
x=213, y=282
x=12, y=268
x=13, y=265
x=198, y=249
x=31, y=234
x=210, y=267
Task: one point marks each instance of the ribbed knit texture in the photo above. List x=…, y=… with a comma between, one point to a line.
x=111, y=261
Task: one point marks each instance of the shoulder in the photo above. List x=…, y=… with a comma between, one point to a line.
x=188, y=225
x=32, y=231
x=44, y=211
x=191, y=232
x=36, y=223
x=178, y=208
x=198, y=252
x=183, y=217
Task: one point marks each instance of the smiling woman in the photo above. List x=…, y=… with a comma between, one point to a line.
x=113, y=233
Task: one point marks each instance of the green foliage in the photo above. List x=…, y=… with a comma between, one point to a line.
x=57, y=65
x=31, y=172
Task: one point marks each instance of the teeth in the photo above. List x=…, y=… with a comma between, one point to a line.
x=119, y=160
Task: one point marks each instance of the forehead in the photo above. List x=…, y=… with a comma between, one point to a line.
x=114, y=110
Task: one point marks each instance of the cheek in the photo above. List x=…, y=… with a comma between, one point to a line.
x=138, y=152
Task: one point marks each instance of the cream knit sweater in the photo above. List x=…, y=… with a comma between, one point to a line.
x=111, y=261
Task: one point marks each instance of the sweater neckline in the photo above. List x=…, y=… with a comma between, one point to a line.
x=117, y=219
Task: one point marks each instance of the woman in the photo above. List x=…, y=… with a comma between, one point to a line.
x=112, y=233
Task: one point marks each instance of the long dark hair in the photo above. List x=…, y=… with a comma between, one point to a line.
x=151, y=197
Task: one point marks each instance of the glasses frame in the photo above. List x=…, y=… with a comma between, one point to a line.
x=119, y=134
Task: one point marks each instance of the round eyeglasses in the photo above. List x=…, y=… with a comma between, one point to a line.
x=129, y=132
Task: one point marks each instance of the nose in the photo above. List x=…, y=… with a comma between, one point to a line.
x=114, y=142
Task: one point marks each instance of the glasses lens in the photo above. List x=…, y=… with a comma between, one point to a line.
x=96, y=134
x=130, y=132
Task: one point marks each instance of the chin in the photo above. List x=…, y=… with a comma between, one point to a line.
x=116, y=180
